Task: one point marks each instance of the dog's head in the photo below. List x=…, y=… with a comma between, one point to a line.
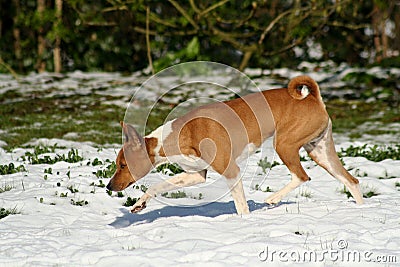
x=132, y=162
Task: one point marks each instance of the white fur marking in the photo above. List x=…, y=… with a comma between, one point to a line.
x=305, y=91
x=161, y=133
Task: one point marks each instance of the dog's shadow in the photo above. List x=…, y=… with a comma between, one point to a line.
x=210, y=210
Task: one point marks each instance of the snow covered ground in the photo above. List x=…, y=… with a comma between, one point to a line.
x=316, y=220
x=65, y=217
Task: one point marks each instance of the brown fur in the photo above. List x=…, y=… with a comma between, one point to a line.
x=218, y=134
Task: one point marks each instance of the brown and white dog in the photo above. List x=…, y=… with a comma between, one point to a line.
x=217, y=136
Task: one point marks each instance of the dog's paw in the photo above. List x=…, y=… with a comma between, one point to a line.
x=136, y=208
x=274, y=199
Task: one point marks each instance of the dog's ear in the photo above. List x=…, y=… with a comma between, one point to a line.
x=132, y=137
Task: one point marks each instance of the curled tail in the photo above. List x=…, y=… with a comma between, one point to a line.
x=302, y=86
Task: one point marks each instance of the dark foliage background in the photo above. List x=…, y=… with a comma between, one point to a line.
x=129, y=35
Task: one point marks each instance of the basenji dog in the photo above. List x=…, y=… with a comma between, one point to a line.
x=218, y=136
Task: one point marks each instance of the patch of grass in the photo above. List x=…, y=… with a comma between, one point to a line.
x=53, y=117
x=79, y=202
x=181, y=194
x=6, y=188
x=130, y=202
x=169, y=169
x=178, y=194
x=108, y=172
x=6, y=212
x=374, y=153
x=367, y=192
x=142, y=188
x=267, y=189
x=370, y=193
x=72, y=189
x=346, y=192
x=95, y=162
x=304, y=192
x=11, y=168
x=42, y=149
x=397, y=184
x=265, y=164
x=359, y=173
x=33, y=158
x=347, y=115
x=101, y=184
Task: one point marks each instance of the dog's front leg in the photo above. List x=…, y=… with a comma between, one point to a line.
x=236, y=187
x=178, y=181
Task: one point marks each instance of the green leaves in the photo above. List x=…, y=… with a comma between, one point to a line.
x=190, y=52
x=5, y=212
x=11, y=168
x=71, y=157
x=374, y=153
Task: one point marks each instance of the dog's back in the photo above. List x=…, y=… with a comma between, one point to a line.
x=216, y=136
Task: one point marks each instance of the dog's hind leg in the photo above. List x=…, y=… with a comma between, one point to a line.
x=178, y=181
x=323, y=152
x=290, y=156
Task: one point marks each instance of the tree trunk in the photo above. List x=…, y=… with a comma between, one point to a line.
x=17, y=35
x=40, y=63
x=57, y=49
x=380, y=37
x=396, y=43
x=245, y=60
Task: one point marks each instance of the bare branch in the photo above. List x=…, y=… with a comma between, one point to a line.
x=184, y=13
x=348, y=26
x=276, y=20
x=238, y=23
x=195, y=8
x=174, y=33
x=8, y=67
x=209, y=9
x=285, y=48
x=156, y=19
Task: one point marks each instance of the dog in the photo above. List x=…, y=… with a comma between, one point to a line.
x=219, y=135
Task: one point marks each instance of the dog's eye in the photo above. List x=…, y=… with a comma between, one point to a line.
x=122, y=166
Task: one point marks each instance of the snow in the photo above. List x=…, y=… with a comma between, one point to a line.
x=188, y=231
x=193, y=231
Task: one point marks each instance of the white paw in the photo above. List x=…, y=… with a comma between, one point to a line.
x=274, y=199
x=139, y=206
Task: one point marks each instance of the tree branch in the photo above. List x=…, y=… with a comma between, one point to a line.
x=209, y=9
x=348, y=26
x=184, y=13
x=5, y=65
x=285, y=48
x=276, y=20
